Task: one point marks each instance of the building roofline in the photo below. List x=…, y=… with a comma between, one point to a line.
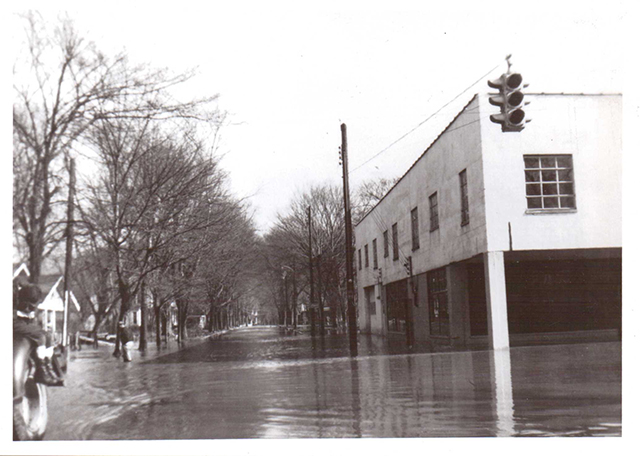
x=420, y=157
x=21, y=268
x=575, y=94
x=456, y=118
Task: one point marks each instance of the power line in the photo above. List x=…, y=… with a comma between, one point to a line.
x=425, y=120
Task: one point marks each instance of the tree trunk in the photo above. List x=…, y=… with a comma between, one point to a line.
x=117, y=352
x=125, y=298
x=163, y=317
x=183, y=308
x=143, y=319
x=295, y=300
x=212, y=314
x=36, y=249
x=156, y=310
x=94, y=331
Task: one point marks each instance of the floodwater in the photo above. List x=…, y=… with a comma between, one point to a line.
x=260, y=383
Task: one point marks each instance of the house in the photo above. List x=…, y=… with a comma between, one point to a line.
x=494, y=238
x=51, y=309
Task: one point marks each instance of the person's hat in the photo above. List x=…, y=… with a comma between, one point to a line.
x=30, y=294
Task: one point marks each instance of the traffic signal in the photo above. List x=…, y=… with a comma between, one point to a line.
x=510, y=100
x=408, y=266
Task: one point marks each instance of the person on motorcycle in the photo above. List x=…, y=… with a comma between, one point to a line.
x=26, y=298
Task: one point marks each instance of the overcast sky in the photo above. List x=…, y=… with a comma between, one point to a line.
x=289, y=76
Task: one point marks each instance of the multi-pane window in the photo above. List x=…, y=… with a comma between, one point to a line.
x=374, y=247
x=433, y=211
x=549, y=182
x=415, y=235
x=385, y=241
x=366, y=256
x=394, y=240
x=359, y=259
x=464, y=198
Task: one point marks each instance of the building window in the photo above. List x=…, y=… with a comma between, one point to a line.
x=359, y=260
x=464, y=198
x=549, y=182
x=385, y=241
x=433, y=211
x=415, y=234
x=394, y=240
x=438, y=302
x=374, y=247
x=366, y=256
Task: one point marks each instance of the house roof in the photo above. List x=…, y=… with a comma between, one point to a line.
x=55, y=295
x=49, y=286
x=20, y=268
x=46, y=282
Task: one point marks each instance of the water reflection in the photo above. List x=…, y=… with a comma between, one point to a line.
x=501, y=370
x=257, y=383
x=355, y=398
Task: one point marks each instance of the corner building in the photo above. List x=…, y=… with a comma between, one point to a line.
x=511, y=238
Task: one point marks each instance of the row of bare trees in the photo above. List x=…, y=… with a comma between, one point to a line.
x=154, y=219
x=154, y=216
x=312, y=232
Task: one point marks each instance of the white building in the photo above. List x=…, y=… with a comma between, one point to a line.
x=512, y=236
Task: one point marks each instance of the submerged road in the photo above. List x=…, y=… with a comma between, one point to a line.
x=258, y=382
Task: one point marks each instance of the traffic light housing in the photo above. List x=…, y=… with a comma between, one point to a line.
x=510, y=99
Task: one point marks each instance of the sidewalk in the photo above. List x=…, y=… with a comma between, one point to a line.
x=105, y=349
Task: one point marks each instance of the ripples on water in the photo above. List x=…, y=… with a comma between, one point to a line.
x=255, y=383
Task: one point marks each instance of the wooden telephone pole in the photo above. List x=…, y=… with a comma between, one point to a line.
x=69, y=253
x=351, y=309
x=312, y=309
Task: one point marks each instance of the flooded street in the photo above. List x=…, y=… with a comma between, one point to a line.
x=257, y=382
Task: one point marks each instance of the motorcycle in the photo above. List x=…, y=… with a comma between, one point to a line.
x=30, y=412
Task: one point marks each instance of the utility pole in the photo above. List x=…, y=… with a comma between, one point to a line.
x=295, y=299
x=351, y=310
x=312, y=309
x=320, y=303
x=286, y=299
x=69, y=253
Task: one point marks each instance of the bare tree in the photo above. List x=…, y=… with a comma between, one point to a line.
x=63, y=85
x=225, y=262
x=150, y=200
x=95, y=288
x=369, y=194
x=287, y=247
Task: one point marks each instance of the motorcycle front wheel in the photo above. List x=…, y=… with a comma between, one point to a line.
x=30, y=412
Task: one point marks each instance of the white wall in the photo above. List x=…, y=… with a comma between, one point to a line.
x=585, y=126
x=588, y=128
x=436, y=171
